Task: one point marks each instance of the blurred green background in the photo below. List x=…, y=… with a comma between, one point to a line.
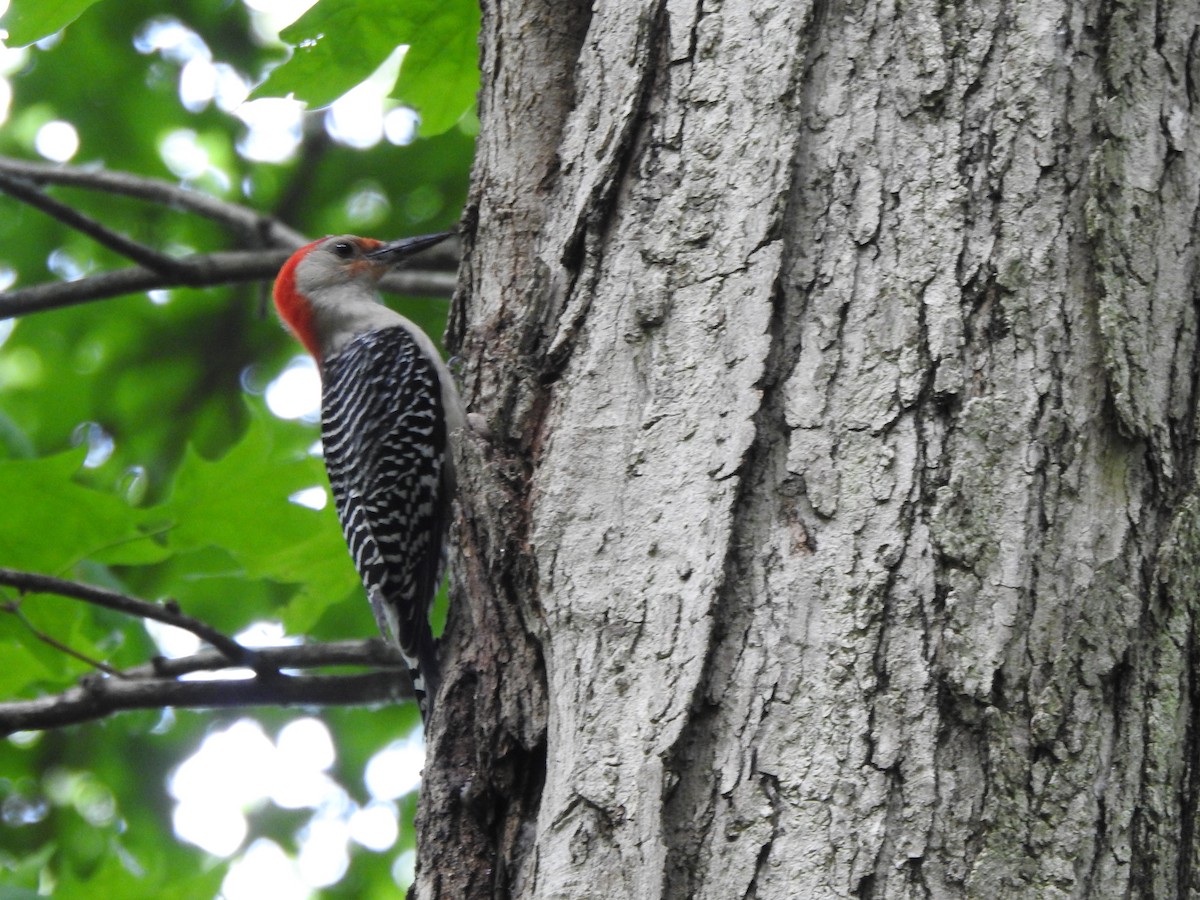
x=158, y=444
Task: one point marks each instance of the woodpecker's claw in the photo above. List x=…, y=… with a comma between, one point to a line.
x=395, y=251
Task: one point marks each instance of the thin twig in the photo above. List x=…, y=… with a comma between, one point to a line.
x=254, y=226
x=32, y=582
x=27, y=193
x=14, y=608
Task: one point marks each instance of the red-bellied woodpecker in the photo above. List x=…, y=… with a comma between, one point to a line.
x=388, y=407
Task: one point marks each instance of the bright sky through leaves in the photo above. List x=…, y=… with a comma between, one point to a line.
x=239, y=769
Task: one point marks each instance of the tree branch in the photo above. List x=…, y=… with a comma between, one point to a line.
x=169, y=614
x=28, y=193
x=206, y=270
x=159, y=271
x=155, y=685
x=374, y=652
x=98, y=697
x=250, y=224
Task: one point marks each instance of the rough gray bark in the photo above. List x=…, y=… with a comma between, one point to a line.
x=834, y=529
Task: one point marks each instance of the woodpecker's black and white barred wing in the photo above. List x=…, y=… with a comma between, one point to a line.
x=384, y=433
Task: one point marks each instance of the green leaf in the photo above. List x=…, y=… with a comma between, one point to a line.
x=439, y=77
x=212, y=586
x=58, y=523
x=340, y=43
x=27, y=663
x=31, y=20
x=116, y=874
x=22, y=873
x=240, y=504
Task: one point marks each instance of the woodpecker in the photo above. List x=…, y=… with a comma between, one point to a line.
x=389, y=407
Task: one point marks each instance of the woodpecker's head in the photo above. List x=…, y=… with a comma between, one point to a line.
x=325, y=292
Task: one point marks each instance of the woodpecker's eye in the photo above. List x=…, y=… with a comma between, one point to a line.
x=344, y=249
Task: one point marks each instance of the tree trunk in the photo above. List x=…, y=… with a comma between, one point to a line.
x=829, y=526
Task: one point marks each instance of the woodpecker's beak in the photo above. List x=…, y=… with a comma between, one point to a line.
x=397, y=251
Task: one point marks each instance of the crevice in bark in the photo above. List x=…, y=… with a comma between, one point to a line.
x=1189, y=426
x=597, y=212
x=568, y=292
x=486, y=761
x=1190, y=801
x=1188, y=874
x=486, y=758
x=695, y=794
x=690, y=763
x=689, y=808
x=770, y=787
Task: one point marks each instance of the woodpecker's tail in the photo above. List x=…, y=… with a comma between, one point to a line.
x=426, y=675
x=416, y=644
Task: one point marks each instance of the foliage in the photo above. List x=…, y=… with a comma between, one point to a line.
x=136, y=447
x=29, y=22
x=439, y=77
